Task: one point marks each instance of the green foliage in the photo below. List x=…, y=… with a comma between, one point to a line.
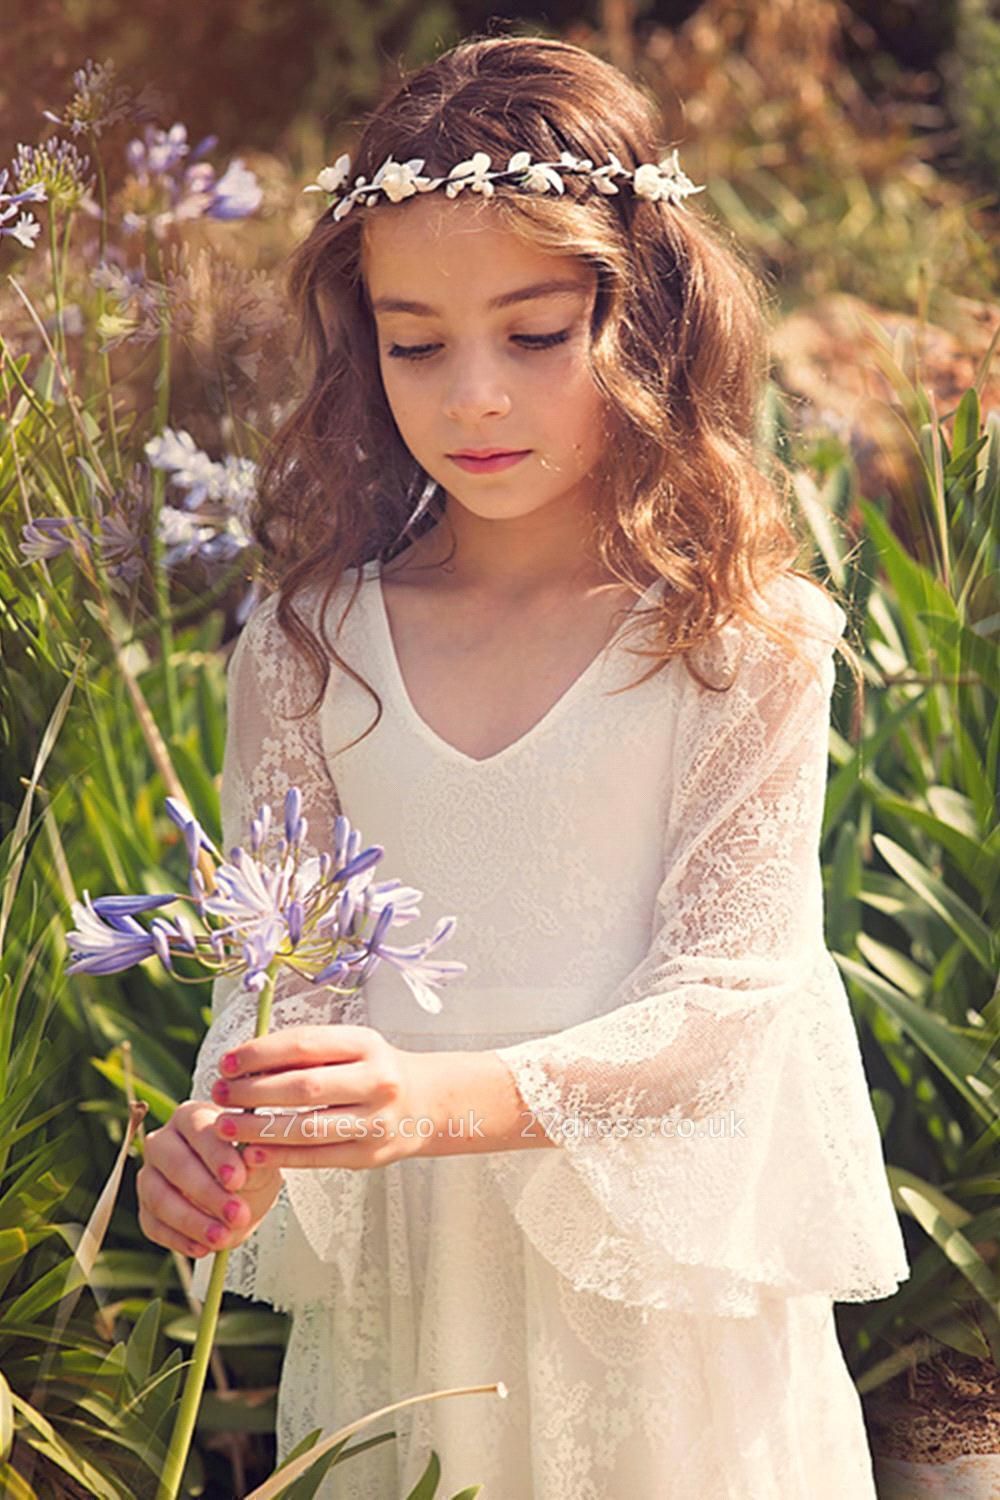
x=913, y=843
x=972, y=71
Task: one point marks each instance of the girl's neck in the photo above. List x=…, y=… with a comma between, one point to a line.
x=464, y=566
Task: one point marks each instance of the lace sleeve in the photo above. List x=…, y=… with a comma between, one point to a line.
x=266, y=751
x=716, y=1138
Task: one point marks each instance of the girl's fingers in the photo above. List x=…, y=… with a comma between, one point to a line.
x=194, y=1120
x=343, y=1084
x=161, y=1234
x=162, y=1199
x=175, y=1158
x=311, y=1128
x=349, y=1155
x=298, y=1047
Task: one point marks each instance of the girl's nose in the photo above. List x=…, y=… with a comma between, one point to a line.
x=475, y=394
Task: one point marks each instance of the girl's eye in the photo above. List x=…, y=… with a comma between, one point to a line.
x=411, y=351
x=528, y=340
x=542, y=340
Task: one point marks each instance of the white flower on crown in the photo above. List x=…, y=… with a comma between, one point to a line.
x=331, y=179
x=655, y=181
x=647, y=182
x=400, y=179
x=601, y=176
x=538, y=178
x=473, y=173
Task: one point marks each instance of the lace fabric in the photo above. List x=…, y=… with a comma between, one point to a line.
x=717, y=1136
x=639, y=897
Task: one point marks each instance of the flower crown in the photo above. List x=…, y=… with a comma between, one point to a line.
x=657, y=181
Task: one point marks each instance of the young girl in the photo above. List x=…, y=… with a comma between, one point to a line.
x=632, y=1162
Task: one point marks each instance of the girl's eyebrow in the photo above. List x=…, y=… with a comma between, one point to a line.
x=521, y=294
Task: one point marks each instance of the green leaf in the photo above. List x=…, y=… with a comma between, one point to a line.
x=965, y=650
x=55, y=1284
x=950, y=907
x=429, y=1480
x=956, y=1055
x=966, y=428
x=6, y=1418
x=142, y=1344
x=967, y=852
x=958, y=1250
x=234, y=1330
x=160, y=1104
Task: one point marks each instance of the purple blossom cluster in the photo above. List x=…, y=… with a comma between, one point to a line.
x=119, y=535
x=170, y=183
x=164, y=161
x=272, y=906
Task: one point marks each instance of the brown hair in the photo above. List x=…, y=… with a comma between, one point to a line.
x=678, y=348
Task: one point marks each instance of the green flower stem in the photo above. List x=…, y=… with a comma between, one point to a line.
x=102, y=302
x=194, y=1384
x=57, y=290
x=161, y=585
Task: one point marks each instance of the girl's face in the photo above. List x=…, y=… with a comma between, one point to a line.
x=479, y=349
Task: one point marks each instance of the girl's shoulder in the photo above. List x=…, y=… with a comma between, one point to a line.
x=316, y=602
x=742, y=652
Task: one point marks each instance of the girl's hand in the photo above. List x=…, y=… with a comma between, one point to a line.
x=196, y=1193
x=357, y=1093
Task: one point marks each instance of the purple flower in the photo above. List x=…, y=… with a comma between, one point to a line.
x=163, y=158
x=236, y=194
x=194, y=835
x=50, y=536
x=98, y=103
x=127, y=906
x=293, y=810
x=122, y=543
x=274, y=904
x=420, y=972
x=58, y=170
x=27, y=229
x=97, y=947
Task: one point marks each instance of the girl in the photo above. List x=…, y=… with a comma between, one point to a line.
x=632, y=1163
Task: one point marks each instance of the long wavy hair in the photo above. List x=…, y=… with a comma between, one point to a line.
x=678, y=347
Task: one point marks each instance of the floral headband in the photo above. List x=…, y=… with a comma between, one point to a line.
x=657, y=181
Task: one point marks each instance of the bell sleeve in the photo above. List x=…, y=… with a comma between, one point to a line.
x=268, y=749
x=714, y=1140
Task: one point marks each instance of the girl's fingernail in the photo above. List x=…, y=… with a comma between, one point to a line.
x=229, y=1062
x=231, y=1210
x=228, y=1127
x=256, y=1156
x=215, y=1233
x=227, y=1172
x=220, y=1091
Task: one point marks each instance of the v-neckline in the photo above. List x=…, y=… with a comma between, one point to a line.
x=373, y=572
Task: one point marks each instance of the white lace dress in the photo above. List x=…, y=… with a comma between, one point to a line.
x=639, y=902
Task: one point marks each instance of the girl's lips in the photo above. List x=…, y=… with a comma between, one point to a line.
x=488, y=465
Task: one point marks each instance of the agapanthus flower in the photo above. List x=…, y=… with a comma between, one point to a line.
x=122, y=531
x=48, y=537
x=232, y=480
x=123, y=284
x=323, y=916
x=107, y=938
x=59, y=170
x=98, y=103
x=164, y=161
x=27, y=228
